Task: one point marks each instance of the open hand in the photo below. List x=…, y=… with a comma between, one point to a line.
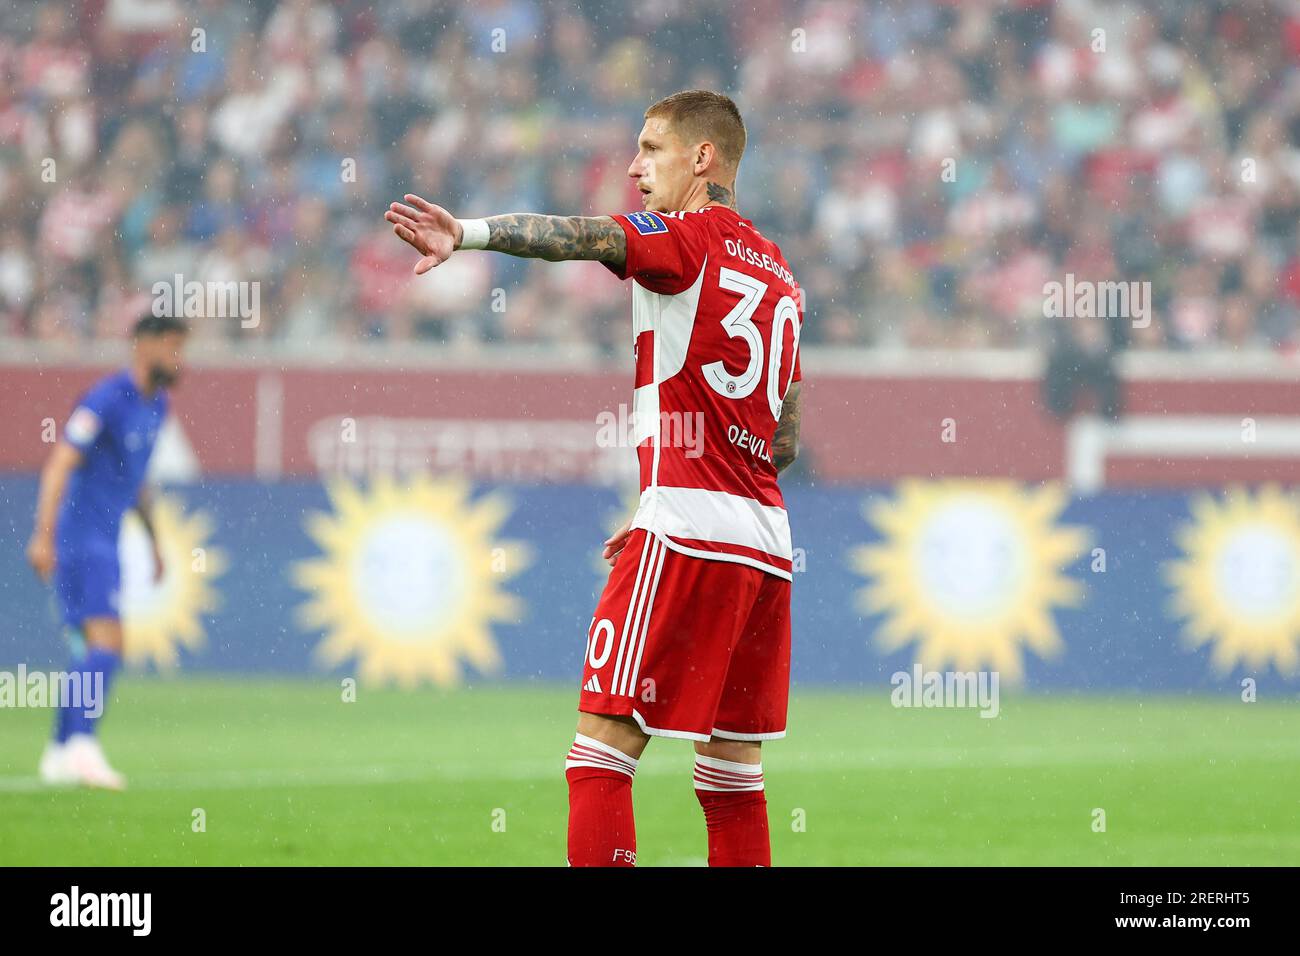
x=431, y=230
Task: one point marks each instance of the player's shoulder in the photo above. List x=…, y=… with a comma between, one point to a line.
x=97, y=409
x=718, y=219
x=646, y=222
x=653, y=222
x=730, y=222
x=109, y=390
x=739, y=239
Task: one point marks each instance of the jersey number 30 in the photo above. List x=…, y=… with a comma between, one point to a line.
x=739, y=323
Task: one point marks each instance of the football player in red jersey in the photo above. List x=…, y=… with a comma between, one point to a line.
x=691, y=636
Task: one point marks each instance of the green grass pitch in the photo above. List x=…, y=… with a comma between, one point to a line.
x=287, y=773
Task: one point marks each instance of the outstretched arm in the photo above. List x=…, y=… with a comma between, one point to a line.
x=436, y=234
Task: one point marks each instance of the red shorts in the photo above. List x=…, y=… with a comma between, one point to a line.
x=689, y=647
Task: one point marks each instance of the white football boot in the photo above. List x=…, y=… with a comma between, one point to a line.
x=54, y=770
x=88, y=765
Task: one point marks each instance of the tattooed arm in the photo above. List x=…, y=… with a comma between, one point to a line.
x=555, y=238
x=785, y=445
x=436, y=234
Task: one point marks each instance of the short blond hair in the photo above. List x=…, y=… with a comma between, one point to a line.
x=699, y=115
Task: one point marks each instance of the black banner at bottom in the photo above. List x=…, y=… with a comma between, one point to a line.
x=336, y=904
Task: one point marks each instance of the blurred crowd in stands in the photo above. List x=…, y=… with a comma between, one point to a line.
x=926, y=165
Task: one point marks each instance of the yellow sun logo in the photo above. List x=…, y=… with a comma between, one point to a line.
x=159, y=617
x=970, y=570
x=411, y=580
x=1238, y=583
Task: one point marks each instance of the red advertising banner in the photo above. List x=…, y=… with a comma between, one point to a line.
x=548, y=425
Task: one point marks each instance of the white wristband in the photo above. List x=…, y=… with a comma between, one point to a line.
x=476, y=233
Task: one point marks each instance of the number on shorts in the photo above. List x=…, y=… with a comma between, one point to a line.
x=598, y=661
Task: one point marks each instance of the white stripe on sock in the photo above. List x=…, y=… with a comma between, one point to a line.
x=589, y=752
x=718, y=775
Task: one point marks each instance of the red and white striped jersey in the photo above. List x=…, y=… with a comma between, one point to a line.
x=716, y=315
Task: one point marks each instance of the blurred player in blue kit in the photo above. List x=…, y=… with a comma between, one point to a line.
x=94, y=475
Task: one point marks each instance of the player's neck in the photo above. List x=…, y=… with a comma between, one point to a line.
x=712, y=194
x=143, y=381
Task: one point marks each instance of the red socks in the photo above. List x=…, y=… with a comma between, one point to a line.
x=735, y=811
x=601, y=829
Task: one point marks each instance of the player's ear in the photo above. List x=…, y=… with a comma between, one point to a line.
x=704, y=156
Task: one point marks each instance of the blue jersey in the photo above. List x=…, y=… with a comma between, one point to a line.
x=114, y=427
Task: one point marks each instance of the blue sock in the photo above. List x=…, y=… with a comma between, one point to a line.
x=96, y=669
x=62, y=715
